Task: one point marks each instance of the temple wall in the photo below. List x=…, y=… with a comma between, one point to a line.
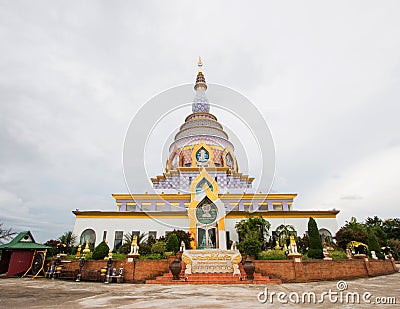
x=320, y=270
x=134, y=272
x=286, y=270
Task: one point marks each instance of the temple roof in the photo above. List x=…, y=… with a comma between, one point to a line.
x=23, y=240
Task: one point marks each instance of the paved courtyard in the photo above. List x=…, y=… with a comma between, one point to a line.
x=45, y=293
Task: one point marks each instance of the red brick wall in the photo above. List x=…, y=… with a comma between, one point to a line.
x=147, y=269
x=286, y=270
x=137, y=271
x=318, y=270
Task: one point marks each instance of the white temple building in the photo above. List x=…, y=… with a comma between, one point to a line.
x=201, y=162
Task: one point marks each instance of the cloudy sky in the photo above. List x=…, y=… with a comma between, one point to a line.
x=72, y=75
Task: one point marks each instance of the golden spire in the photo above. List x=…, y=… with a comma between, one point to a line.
x=200, y=64
x=200, y=80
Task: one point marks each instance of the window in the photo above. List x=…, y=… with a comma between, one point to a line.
x=104, y=235
x=146, y=206
x=247, y=206
x=88, y=235
x=137, y=233
x=263, y=206
x=153, y=235
x=118, y=239
x=160, y=206
x=278, y=207
x=234, y=206
x=228, y=240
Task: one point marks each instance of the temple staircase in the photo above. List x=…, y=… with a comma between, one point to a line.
x=213, y=278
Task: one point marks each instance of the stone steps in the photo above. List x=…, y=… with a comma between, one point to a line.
x=214, y=278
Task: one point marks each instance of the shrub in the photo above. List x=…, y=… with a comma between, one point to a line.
x=315, y=251
x=172, y=244
x=168, y=254
x=101, y=251
x=250, y=246
x=182, y=236
x=119, y=256
x=373, y=244
x=144, y=249
x=272, y=255
x=158, y=247
x=125, y=248
x=154, y=256
x=338, y=255
x=315, y=254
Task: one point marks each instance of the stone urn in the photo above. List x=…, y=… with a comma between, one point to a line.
x=175, y=268
x=249, y=268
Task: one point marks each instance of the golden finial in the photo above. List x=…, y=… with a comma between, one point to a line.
x=200, y=80
x=200, y=64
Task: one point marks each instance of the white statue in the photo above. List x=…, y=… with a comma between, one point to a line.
x=233, y=245
x=292, y=246
x=236, y=270
x=348, y=254
x=183, y=247
x=373, y=254
x=326, y=255
x=134, y=246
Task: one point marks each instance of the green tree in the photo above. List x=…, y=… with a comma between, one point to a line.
x=253, y=227
x=5, y=234
x=101, y=251
x=351, y=231
x=373, y=222
x=251, y=246
x=159, y=247
x=373, y=244
x=315, y=250
x=68, y=239
x=394, y=244
x=172, y=243
x=392, y=228
x=284, y=232
x=182, y=236
x=380, y=235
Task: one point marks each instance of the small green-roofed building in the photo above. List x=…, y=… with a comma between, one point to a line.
x=16, y=256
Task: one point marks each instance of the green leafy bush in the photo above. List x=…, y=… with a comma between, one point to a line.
x=315, y=254
x=315, y=251
x=337, y=255
x=101, y=251
x=172, y=244
x=373, y=244
x=158, y=247
x=144, y=249
x=182, y=236
x=119, y=256
x=154, y=256
x=250, y=246
x=168, y=254
x=272, y=255
x=125, y=248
